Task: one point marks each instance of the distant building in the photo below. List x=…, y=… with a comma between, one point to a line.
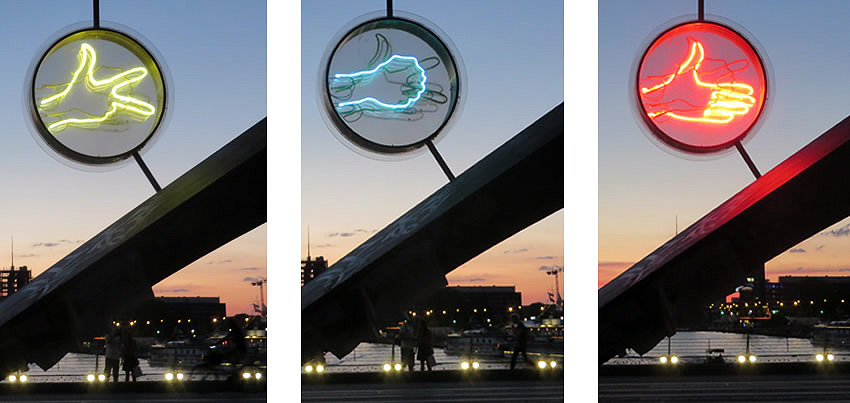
x=806, y=288
x=311, y=268
x=198, y=313
x=13, y=280
x=464, y=306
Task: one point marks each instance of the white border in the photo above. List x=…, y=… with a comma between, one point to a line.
x=580, y=207
x=284, y=200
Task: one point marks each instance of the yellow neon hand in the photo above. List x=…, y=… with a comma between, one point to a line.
x=87, y=57
x=726, y=100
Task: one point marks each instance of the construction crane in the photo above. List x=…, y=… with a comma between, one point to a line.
x=554, y=272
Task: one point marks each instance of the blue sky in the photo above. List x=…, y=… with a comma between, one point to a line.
x=642, y=188
x=513, y=57
x=216, y=54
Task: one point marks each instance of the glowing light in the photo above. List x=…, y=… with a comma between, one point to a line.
x=742, y=359
x=135, y=107
x=819, y=357
x=674, y=360
x=553, y=364
x=464, y=365
x=101, y=377
x=397, y=367
x=13, y=378
x=541, y=364
x=475, y=364
x=308, y=368
x=169, y=376
x=663, y=359
x=320, y=368
x=752, y=358
x=728, y=99
x=258, y=375
x=387, y=367
x=90, y=377
x=391, y=65
x=179, y=376
x=829, y=357
x=246, y=375
x=24, y=378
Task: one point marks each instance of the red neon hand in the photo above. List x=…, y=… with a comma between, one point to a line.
x=724, y=101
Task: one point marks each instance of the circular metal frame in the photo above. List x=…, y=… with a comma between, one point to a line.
x=444, y=50
x=135, y=47
x=678, y=145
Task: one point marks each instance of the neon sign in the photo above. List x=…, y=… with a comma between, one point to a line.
x=394, y=64
x=118, y=82
x=700, y=87
x=96, y=97
x=389, y=86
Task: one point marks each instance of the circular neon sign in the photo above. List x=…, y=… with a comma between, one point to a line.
x=97, y=96
x=701, y=87
x=389, y=86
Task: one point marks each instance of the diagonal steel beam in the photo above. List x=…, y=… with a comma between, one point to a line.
x=215, y=202
x=513, y=187
x=799, y=197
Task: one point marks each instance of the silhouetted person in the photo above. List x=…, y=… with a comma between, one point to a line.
x=113, y=354
x=425, y=346
x=130, y=355
x=407, y=341
x=521, y=345
x=235, y=342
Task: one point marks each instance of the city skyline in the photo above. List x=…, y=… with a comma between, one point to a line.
x=644, y=190
x=346, y=197
x=51, y=208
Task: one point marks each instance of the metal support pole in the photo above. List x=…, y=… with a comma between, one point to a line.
x=146, y=171
x=440, y=160
x=390, y=8
x=96, y=13
x=748, y=160
x=700, y=10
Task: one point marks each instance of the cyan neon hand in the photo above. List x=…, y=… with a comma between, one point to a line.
x=116, y=102
x=411, y=89
x=725, y=101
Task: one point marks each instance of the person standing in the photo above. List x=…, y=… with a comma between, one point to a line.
x=130, y=354
x=113, y=354
x=425, y=347
x=407, y=341
x=521, y=346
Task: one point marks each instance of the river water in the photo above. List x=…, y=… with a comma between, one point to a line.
x=690, y=346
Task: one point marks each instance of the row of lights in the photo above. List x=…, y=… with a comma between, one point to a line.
x=18, y=378
x=96, y=377
x=743, y=358
x=465, y=365
x=543, y=364
x=170, y=376
x=819, y=357
x=389, y=367
x=669, y=360
x=256, y=375
x=310, y=368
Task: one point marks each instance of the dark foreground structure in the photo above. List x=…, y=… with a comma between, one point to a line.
x=799, y=197
x=215, y=202
x=513, y=187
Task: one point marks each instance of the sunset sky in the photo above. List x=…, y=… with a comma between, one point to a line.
x=347, y=197
x=50, y=208
x=643, y=189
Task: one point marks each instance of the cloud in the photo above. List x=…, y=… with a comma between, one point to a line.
x=52, y=244
x=28, y=255
x=819, y=247
x=838, y=232
x=816, y=270
x=797, y=250
x=247, y=269
x=468, y=279
x=174, y=290
x=512, y=251
x=550, y=268
x=220, y=261
x=341, y=234
x=545, y=257
x=366, y=231
x=324, y=245
x=253, y=279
